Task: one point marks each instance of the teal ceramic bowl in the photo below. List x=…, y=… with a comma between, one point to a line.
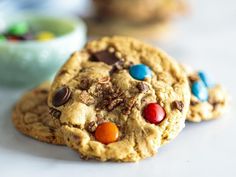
x=27, y=63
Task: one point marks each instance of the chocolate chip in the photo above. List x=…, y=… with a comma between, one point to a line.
x=142, y=87
x=178, y=105
x=62, y=72
x=84, y=84
x=105, y=56
x=55, y=113
x=61, y=96
x=92, y=126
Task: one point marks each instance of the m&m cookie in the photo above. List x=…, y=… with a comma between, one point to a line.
x=119, y=99
x=208, y=101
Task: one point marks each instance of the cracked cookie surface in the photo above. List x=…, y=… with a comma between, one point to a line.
x=96, y=87
x=31, y=116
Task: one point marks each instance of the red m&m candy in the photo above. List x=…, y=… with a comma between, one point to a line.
x=154, y=113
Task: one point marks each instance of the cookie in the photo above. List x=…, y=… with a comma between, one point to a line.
x=137, y=18
x=138, y=10
x=208, y=101
x=31, y=117
x=117, y=99
x=147, y=30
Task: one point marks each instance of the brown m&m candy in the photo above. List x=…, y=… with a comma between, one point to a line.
x=61, y=96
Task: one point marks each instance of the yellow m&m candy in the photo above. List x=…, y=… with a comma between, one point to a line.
x=45, y=36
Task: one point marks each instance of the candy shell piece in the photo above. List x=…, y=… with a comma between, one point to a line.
x=45, y=36
x=200, y=91
x=154, y=113
x=204, y=79
x=140, y=71
x=106, y=133
x=18, y=29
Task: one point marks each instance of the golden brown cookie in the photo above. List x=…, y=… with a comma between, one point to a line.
x=117, y=99
x=138, y=10
x=208, y=101
x=142, y=19
x=31, y=117
x=148, y=30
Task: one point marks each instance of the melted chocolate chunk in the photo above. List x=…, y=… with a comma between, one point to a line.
x=178, y=105
x=61, y=96
x=105, y=56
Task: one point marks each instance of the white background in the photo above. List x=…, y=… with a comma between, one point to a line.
x=206, y=40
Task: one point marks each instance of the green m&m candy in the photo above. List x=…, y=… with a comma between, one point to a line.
x=2, y=38
x=18, y=29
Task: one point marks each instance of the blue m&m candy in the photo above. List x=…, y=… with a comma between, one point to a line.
x=204, y=79
x=200, y=91
x=140, y=71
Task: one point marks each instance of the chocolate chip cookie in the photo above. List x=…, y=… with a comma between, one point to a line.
x=208, y=101
x=120, y=99
x=146, y=30
x=143, y=19
x=138, y=10
x=31, y=116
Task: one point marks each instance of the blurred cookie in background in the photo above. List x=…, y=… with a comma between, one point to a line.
x=139, y=18
x=138, y=10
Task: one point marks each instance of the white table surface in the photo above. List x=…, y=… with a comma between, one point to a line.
x=206, y=40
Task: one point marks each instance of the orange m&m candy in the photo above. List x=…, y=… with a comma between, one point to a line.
x=107, y=132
